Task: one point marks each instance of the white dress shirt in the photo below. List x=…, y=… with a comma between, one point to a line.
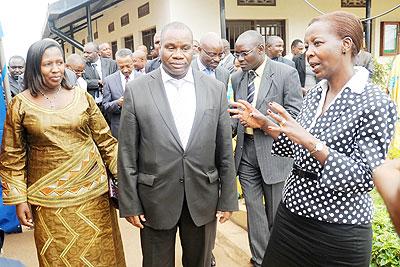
x=123, y=79
x=81, y=83
x=98, y=68
x=181, y=96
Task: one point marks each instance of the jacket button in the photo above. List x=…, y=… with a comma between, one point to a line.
x=181, y=180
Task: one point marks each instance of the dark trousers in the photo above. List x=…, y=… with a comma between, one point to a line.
x=158, y=246
x=260, y=216
x=299, y=241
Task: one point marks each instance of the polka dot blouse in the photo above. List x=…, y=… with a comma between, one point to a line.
x=357, y=128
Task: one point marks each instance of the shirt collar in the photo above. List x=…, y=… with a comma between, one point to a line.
x=131, y=76
x=97, y=62
x=167, y=78
x=202, y=67
x=259, y=71
x=356, y=83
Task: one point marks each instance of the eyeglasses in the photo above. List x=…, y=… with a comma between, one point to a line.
x=213, y=55
x=243, y=54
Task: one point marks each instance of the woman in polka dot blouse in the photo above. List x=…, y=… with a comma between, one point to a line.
x=340, y=136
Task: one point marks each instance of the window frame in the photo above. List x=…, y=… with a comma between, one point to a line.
x=396, y=50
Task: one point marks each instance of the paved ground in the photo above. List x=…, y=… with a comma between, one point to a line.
x=231, y=248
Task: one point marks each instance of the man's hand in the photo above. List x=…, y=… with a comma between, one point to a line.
x=223, y=215
x=136, y=220
x=120, y=101
x=24, y=214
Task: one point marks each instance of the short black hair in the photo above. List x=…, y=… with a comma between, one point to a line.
x=295, y=42
x=33, y=79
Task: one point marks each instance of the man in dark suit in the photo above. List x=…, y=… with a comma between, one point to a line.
x=16, y=68
x=211, y=52
x=156, y=61
x=114, y=88
x=261, y=175
x=175, y=162
x=96, y=69
x=275, y=47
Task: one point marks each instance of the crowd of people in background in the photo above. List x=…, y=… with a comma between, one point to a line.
x=310, y=130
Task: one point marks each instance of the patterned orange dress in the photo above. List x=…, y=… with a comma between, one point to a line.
x=54, y=160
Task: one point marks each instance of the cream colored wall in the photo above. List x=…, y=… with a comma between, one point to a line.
x=201, y=16
x=159, y=16
x=297, y=15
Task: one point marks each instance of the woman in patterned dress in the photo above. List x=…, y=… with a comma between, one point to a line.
x=55, y=145
x=341, y=134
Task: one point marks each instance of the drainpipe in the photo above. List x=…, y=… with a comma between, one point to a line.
x=222, y=18
x=89, y=23
x=368, y=25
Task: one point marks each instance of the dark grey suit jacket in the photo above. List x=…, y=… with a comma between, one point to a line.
x=221, y=74
x=15, y=86
x=108, y=66
x=155, y=173
x=152, y=65
x=279, y=83
x=112, y=91
x=285, y=61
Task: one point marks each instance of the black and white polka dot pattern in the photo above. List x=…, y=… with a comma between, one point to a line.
x=357, y=128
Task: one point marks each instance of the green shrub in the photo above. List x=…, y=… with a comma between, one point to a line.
x=381, y=74
x=385, y=243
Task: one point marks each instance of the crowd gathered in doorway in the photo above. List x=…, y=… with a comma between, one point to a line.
x=310, y=130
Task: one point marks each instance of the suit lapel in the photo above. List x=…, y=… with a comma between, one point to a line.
x=157, y=90
x=104, y=68
x=267, y=79
x=119, y=83
x=242, y=86
x=201, y=96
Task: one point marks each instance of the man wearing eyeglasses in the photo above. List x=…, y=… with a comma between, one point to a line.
x=211, y=52
x=261, y=175
x=16, y=68
x=75, y=68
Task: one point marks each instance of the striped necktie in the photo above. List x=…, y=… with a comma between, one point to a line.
x=251, y=87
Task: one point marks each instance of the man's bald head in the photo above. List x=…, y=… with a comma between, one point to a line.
x=176, y=26
x=90, y=52
x=105, y=50
x=142, y=48
x=227, y=46
x=250, y=50
x=139, y=59
x=211, y=50
x=274, y=46
x=76, y=63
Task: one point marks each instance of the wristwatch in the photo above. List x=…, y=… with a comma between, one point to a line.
x=319, y=146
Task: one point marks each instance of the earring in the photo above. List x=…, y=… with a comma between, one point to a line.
x=344, y=52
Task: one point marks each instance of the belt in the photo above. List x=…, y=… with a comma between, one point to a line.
x=304, y=174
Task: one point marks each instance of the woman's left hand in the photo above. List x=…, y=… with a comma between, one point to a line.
x=286, y=124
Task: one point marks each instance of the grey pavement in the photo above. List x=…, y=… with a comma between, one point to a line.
x=231, y=249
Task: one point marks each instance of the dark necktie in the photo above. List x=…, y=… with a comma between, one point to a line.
x=94, y=65
x=251, y=87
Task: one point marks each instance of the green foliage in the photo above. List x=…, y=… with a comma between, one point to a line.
x=381, y=74
x=385, y=243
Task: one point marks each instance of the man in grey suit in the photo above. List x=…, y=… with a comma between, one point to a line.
x=96, y=69
x=210, y=54
x=114, y=88
x=275, y=47
x=16, y=68
x=175, y=162
x=261, y=175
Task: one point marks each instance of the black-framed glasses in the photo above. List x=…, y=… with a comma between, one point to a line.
x=245, y=53
x=213, y=55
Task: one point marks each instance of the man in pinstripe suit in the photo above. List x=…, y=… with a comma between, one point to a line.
x=261, y=175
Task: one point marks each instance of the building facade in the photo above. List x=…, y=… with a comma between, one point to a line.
x=129, y=23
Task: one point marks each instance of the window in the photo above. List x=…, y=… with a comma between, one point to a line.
x=83, y=41
x=125, y=20
x=96, y=35
x=353, y=3
x=256, y=2
x=143, y=10
x=390, y=38
x=148, y=38
x=111, y=27
x=114, y=48
x=128, y=40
